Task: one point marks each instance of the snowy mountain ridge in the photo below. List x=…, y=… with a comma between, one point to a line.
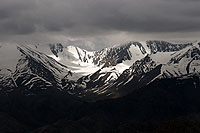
x=183, y=62
x=105, y=73
x=87, y=62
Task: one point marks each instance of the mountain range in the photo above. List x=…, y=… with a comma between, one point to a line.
x=57, y=79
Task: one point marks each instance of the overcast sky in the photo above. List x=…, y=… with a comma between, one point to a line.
x=98, y=23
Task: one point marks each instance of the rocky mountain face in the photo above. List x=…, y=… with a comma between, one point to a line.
x=116, y=55
x=162, y=46
x=141, y=73
x=183, y=62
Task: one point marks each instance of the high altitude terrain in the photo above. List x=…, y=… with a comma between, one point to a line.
x=41, y=84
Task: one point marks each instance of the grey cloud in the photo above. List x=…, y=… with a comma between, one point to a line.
x=183, y=0
x=93, y=18
x=4, y=14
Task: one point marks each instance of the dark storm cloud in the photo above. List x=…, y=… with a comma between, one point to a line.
x=78, y=18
